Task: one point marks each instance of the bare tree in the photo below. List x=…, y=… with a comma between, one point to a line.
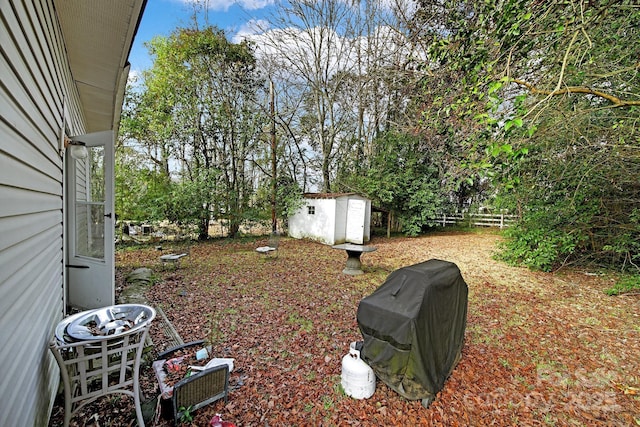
x=312, y=48
x=342, y=70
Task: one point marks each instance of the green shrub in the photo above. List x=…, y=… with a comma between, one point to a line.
x=538, y=247
x=536, y=250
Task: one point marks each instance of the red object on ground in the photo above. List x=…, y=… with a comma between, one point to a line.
x=217, y=421
x=173, y=365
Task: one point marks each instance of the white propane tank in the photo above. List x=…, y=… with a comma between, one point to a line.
x=358, y=379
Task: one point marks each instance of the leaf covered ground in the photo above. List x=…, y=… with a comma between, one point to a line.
x=540, y=349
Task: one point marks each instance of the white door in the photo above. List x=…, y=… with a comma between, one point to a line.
x=90, y=223
x=355, y=221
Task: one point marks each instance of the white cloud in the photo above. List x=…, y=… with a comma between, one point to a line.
x=224, y=5
x=255, y=4
x=134, y=76
x=385, y=47
x=250, y=29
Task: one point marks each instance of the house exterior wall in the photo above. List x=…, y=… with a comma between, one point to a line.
x=36, y=83
x=319, y=226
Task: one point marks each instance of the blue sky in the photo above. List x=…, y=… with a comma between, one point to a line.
x=161, y=17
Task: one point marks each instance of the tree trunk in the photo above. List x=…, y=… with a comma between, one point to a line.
x=203, y=229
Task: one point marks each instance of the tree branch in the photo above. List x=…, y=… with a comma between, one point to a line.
x=617, y=102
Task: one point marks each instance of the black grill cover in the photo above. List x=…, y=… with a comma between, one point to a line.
x=413, y=327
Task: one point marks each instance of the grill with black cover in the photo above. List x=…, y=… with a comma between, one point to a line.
x=413, y=328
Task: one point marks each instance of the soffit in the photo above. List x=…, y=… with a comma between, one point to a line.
x=98, y=35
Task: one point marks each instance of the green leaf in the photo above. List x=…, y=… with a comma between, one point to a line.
x=494, y=86
x=508, y=125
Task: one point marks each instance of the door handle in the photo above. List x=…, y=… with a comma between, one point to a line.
x=76, y=266
x=108, y=215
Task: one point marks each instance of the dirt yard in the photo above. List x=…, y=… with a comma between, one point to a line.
x=540, y=349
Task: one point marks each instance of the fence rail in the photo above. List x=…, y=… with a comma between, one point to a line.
x=476, y=219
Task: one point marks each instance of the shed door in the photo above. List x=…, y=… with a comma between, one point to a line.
x=355, y=221
x=90, y=223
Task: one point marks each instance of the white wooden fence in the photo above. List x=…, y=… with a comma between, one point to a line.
x=476, y=219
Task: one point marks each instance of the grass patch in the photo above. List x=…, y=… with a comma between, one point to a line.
x=304, y=324
x=627, y=284
x=481, y=335
x=327, y=403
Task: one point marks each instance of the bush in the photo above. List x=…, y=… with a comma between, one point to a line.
x=539, y=242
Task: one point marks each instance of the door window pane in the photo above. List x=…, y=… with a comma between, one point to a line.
x=90, y=210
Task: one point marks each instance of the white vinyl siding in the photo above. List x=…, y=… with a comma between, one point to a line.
x=36, y=83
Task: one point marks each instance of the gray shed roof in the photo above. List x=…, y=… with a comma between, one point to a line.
x=328, y=195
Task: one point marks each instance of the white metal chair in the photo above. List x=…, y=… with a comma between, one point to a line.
x=94, y=368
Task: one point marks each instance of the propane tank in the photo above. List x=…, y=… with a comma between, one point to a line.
x=358, y=379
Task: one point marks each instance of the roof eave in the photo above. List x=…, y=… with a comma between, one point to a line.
x=98, y=36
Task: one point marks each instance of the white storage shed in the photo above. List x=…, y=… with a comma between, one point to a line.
x=333, y=218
